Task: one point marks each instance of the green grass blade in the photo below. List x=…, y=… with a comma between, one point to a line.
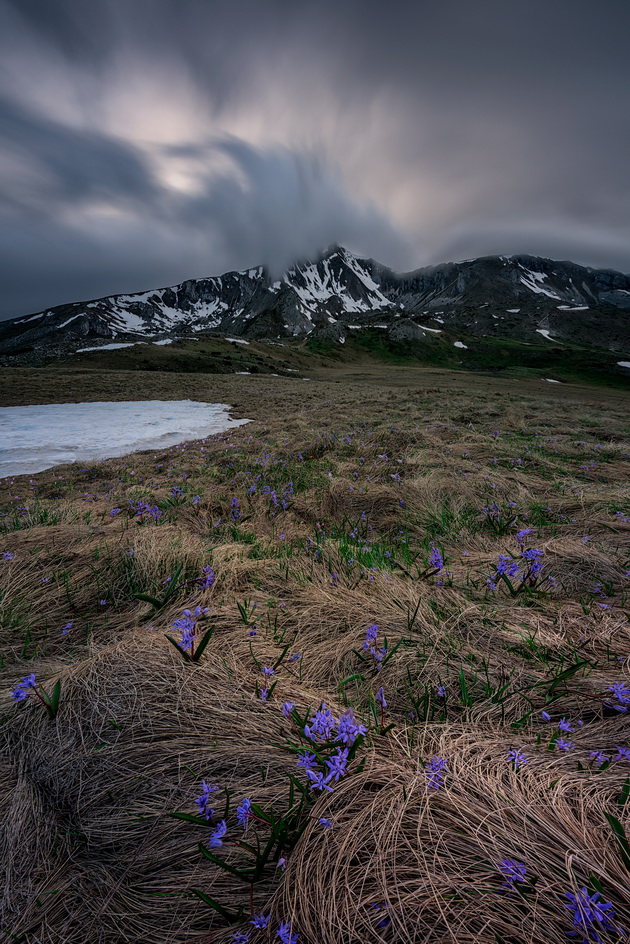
x=243, y=874
x=178, y=647
x=202, y=645
x=230, y=917
x=620, y=836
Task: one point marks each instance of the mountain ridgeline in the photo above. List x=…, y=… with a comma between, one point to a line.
x=520, y=298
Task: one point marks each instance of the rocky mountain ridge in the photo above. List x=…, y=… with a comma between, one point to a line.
x=519, y=297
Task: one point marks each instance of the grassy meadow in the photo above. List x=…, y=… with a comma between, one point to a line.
x=395, y=701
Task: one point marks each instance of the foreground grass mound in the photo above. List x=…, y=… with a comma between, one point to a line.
x=357, y=671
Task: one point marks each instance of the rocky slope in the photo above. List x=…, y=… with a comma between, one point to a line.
x=518, y=297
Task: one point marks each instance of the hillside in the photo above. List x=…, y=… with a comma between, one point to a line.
x=338, y=296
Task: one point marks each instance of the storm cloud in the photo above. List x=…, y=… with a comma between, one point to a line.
x=149, y=142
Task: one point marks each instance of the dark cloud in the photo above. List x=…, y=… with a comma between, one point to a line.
x=68, y=165
x=147, y=142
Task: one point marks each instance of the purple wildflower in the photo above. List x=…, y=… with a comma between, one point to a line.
x=321, y=726
x=208, y=578
x=18, y=694
x=435, y=557
x=565, y=725
x=506, y=566
x=203, y=801
x=599, y=757
x=380, y=697
x=319, y=781
x=268, y=671
x=260, y=920
x=517, y=758
x=564, y=745
x=522, y=534
x=244, y=813
x=326, y=823
x=349, y=729
x=533, y=556
x=338, y=763
x=307, y=761
x=239, y=937
x=591, y=915
x=264, y=694
x=545, y=715
x=623, y=753
x=285, y=935
x=621, y=692
x=435, y=770
x=512, y=871
x=216, y=837
x=287, y=708
x=8, y=555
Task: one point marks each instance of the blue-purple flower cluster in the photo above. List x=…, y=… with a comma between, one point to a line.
x=621, y=697
x=378, y=653
x=25, y=688
x=187, y=625
x=591, y=915
x=333, y=737
x=207, y=578
x=436, y=769
x=527, y=570
x=142, y=509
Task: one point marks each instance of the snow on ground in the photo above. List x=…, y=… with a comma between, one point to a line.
x=623, y=363
x=545, y=334
x=513, y=311
x=108, y=347
x=35, y=438
x=432, y=330
x=550, y=381
x=237, y=340
x=164, y=341
x=461, y=344
x=567, y=308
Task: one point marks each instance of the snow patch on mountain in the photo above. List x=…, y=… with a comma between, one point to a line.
x=532, y=281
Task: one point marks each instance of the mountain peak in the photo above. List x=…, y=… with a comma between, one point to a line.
x=519, y=296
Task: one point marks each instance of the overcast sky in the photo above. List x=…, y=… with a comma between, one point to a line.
x=143, y=142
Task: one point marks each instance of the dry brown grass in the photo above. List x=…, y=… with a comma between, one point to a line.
x=89, y=850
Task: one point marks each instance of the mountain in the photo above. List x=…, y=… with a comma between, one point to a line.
x=520, y=297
